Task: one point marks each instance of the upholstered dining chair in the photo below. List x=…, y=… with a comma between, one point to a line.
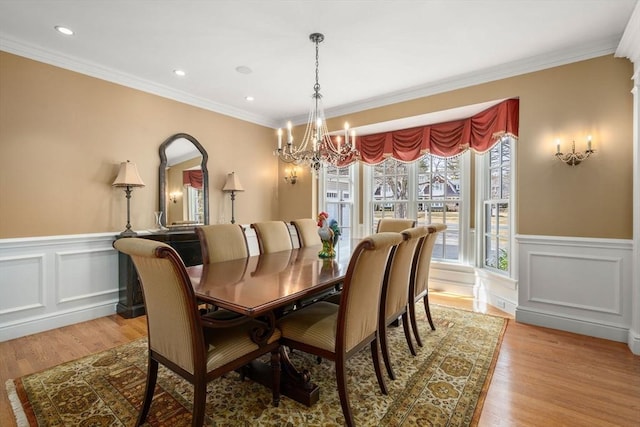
x=196, y=347
x=395, y=224
x=218, y=243
x=419, y=287
x=395, y=291
x=307, y=230
x=222, y=242
x=273, y=236
x=338, y=332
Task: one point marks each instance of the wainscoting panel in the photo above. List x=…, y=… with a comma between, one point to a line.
x=584, y=282
x=84, y=276
x=53, y=281
x=579, y=285
x=21, y=284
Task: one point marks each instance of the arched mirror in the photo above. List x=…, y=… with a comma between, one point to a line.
x=184, y=182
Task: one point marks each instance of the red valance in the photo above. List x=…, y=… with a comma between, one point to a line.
x=479, y=133
x=192, y=178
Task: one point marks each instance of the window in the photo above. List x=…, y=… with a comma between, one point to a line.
x=390, y=191
x=428, y=189
x=438, y=199
x=496, y=212
x=338, y=184
x=332, y=195
x=195, y=204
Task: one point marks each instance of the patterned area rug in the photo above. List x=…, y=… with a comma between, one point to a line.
x=444, y=385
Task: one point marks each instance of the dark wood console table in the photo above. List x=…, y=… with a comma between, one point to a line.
x=131, y=302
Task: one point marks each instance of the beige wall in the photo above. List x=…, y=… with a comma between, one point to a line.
x=64, y=134
x=567, y=102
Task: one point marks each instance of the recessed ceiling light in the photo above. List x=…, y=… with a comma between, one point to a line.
x=64, y=30
x=249, y=98
x=243, y=69
x=180, y=73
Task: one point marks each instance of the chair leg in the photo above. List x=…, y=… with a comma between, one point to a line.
x=199, y=400
x=382, y=329
x=414, y=323
x=407, y=334
x=152, y=375
x=426, y=308
x=341, y=374
x=376, y=364
x=275, y=381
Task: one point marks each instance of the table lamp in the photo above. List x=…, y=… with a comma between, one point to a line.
x=231, y=186
x=128, y=177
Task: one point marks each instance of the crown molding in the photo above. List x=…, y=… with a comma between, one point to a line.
x=527, y=65
x=498, y=72
x=104, y=73
x=629, y=46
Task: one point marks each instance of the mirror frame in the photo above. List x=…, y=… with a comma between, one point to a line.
x=163, y=170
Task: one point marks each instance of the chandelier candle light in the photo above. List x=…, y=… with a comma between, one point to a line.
x=317, y=148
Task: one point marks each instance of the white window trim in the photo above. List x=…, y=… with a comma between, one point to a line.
x=482, y=169
x=354, y=190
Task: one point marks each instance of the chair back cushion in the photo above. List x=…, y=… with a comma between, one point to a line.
x=395, y=224
x=273, y=236
x=400, y=269
x=307, y=229
x=169, y=300
x=222, y=242
x=359, y=306
x=423, y=259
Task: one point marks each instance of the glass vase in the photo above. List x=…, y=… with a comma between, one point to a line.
x=158, y=217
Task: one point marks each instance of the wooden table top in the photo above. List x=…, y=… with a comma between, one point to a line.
x=262, y=283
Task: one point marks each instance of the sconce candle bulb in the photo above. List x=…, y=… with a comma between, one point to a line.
x=574, y=158
x=291, y=175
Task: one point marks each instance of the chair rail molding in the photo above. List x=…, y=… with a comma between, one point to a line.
x=581, y=285
x=575, y=284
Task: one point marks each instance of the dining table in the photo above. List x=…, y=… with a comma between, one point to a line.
x=267, y=286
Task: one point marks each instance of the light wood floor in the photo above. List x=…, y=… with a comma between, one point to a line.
x=543, y=377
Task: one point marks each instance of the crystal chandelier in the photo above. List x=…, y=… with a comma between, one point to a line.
x=317, y=147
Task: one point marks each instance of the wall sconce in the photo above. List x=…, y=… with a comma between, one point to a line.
x=174, y=196
x=291, y=176
x=574, y=158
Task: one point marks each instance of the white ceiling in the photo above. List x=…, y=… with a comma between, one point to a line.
x=374, y=52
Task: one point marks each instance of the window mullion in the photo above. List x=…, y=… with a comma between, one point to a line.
x=412, y=190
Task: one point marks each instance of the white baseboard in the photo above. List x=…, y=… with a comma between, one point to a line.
x=55, y=320
x=572, y=324
x=633, y=341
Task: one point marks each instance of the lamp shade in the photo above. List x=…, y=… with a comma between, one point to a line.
x=128, y=176
x=232, y=184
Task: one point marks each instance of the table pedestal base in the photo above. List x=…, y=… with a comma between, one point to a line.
x=293, y=384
